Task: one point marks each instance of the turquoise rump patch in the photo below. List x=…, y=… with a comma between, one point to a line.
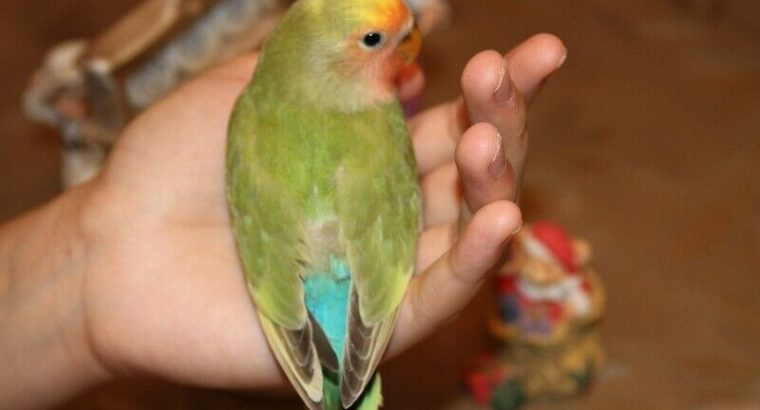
x=327, y=300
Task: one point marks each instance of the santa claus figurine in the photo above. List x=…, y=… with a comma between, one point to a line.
x=544, y=286
x=549, y=301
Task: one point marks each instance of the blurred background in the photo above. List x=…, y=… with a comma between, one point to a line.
x=646, y=143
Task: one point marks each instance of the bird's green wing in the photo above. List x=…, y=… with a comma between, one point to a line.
x=378, y=205
x=269, y=230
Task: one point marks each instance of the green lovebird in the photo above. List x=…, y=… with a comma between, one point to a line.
x=323, y=194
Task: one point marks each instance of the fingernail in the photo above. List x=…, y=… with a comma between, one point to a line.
x=503, y=92
x=499, y=160
x=562, y=60
x=516, y=231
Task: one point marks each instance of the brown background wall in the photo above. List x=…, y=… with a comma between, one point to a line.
x=647, y=144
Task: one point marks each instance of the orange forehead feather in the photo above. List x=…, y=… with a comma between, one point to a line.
x=387, y=14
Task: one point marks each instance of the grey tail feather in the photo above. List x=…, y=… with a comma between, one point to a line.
x=364, y=348
x=325, y=351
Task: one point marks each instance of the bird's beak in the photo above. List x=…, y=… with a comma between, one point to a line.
x=410, y=46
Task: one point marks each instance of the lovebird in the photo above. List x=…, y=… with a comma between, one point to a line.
x=323, y=193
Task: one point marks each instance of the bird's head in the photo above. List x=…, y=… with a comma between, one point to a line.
x=349, y=49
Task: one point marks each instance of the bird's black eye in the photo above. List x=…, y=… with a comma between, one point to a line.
x=373, y=39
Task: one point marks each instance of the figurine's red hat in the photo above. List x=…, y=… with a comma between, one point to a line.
x=557, y=241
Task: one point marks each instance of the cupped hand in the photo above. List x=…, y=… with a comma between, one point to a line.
x=164, y=291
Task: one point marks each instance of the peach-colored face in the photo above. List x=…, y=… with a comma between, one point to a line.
x=393, y=22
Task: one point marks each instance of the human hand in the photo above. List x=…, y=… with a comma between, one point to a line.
x=164, y=292
x=470, y=153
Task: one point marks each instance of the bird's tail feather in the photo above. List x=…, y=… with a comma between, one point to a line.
x=371, y=399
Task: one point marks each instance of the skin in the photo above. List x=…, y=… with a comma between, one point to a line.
x=135, y=273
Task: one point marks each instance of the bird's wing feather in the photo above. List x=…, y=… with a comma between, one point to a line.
x=270, y=233
x=378, y=204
